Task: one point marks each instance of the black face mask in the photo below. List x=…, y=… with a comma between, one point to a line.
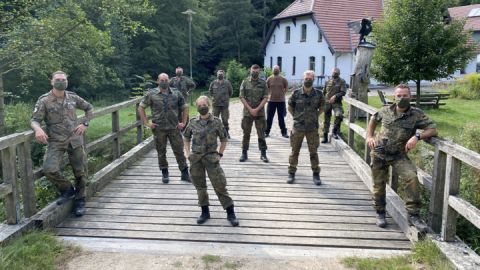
x=403, y=103
x=255, y=74
x=203, y=110
x=220, y=77
x=308, y=83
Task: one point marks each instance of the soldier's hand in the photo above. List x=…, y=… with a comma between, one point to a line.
x=331, y=100
x=253, y=112
x=80, y=129
x=411, y=144
x=180, y=126
x=371, y=142
x=41, y=136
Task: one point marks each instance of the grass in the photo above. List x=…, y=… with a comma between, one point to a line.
x=36, y=250
x=210, y=259
x=425, y=255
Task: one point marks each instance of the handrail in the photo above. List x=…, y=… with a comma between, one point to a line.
x=445, y=205
x=17, y=163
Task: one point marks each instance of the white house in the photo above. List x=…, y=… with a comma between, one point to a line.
x=313, y=34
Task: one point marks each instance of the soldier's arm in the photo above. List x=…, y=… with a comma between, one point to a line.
x=242, y=97
x=372, y=125
x=222, y=135
x=264, y=100
x=343, y=89
x=321, y=108
x=230, y=89
x=141, y=111
x=182, y=104
x=285, y=86
x=191, y=85
x=86, y=107
x=291, y=104
x=187, y=137
x=37, y=117
x=172, y=82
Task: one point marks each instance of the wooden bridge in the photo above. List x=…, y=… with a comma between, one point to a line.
x=129, y=208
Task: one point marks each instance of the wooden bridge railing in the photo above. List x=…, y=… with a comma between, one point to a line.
x=445, y=203
x=17, y=162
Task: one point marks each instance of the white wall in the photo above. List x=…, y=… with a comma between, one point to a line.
x=301, y=50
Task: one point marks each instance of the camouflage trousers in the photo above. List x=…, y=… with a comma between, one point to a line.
x=210, y=162
x=406, y=171
x=296, y=140
x=52, y=164
x=176, y=143
x=223, y=110
x=260, y=126
x=338, y=112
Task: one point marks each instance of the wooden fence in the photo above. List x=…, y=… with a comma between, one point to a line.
x=17, y=165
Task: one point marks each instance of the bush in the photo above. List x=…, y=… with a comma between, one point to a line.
x=18, y=117
x=466, y=88
x=236, y=73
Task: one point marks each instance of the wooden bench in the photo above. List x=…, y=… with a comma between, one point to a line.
x=383, y=99
x=427, y=100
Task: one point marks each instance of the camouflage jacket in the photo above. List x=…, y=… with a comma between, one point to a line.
x=204, y=134
x=306, y=108
x=60, y=116
x=165, y=107
x=220, y=92
x=335, y=87
x=185, y=85
x=253, y=91
x=397, y=129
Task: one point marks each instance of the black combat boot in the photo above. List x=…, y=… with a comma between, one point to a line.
x=165, y=177
x=316, y=179
x=325, y=138
x=244, y=156
x=417, y=222
x=285, y=134
x=185, y=176
x=381, y=221
x=204, y=216
x=291, y=178
x=66, y=196
x=263, y=156
x=79, y=208
x=335, y=133
x=267, y=134
x=231, y=216
x=228, y=133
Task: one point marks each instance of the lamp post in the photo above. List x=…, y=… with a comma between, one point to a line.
x=189, y=13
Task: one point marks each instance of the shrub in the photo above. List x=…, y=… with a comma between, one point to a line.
x=466, y=88
x=236, y=73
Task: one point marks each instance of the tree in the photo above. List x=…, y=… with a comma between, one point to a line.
x=413, y=43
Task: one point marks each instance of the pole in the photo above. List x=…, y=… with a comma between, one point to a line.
x=190, y=41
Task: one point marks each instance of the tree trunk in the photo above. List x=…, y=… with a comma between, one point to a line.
x=3, y=126
x=361, y=75
x=417, y=102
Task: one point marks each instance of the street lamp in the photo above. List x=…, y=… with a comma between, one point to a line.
x=189, y=13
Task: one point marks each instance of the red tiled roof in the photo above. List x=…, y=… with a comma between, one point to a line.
x=472, y=23
x=333, y=16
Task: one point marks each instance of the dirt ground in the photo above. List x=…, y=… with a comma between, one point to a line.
x=138, y=261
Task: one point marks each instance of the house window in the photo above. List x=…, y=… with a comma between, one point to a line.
x=293, y=65
x=323, y=66
x=320, y=38
x=312, y=63
x=271, y=62
x=279, y=62
x=273, y=39
x=287, y=34
x=303, y=37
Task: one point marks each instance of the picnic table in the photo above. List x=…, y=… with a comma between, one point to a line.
x=427, y=100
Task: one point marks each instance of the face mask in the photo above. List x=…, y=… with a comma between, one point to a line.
x=255, y=74
x=276, y=72
x=203, y=110
x=403, y=103
x=308, y=83
x=163, y=85
x=60, y=85
x=220, y=77
x=179, y=74
x=335, y=75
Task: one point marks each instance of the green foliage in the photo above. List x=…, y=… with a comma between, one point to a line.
x=425, y=255
x=36, y=251
x=413, y=43
x=17, y=117
x=236, y=73
x=466, y=88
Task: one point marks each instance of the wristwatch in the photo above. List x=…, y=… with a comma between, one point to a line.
x=417, y=134
x=220, y=154
x=86, y=123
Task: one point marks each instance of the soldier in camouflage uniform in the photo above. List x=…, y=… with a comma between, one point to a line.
x=221, y=90
x=183, y=84
x=203, y=131
x=165, y=102
x=390, y=147
x=58, y=109
x=306, y=104
x=334, y=90
x=254, y=96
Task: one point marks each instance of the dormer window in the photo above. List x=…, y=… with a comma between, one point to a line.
x=303, y=36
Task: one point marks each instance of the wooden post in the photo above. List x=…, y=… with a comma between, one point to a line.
x=393, y=179
x=361, y=73
x=115, y=128
x=437, y=193
x=351, y=119
x=28, y=181
x=10, y=177
x=367, y=149
x=139, y=127
x=452, y=187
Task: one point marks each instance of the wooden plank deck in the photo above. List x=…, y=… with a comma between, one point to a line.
x=136, y=206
